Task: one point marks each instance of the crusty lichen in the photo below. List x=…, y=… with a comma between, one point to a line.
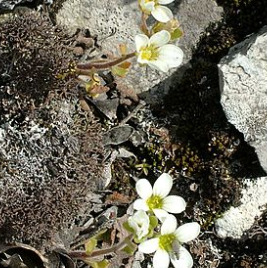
x=51, y=149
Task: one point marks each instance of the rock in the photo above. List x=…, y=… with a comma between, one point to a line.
x=243, y=84
x=243, y=80
x=117, y=135
x=239, y=219
x=117, y=21
x=6, y=5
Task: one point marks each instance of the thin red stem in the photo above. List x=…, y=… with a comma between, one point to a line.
x=144, y=26
x=102, y=65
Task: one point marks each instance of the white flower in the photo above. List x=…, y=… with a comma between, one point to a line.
x=156, y=52
x=160, y=13
x=168, y=245
x=140, y=223
x=156, y=198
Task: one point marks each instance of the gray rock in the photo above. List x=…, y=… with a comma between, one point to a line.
x=243, y=80
x=6, y=5
x=117, y=21
x=243, y=84
x=117, y=135
x=239, y=219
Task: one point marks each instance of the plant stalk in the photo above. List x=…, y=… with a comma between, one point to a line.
x=102, y=65
x=79, y=254
x=144, y=26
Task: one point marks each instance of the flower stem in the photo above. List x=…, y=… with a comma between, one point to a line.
x=79, y=254
x=102, y=65
x=144, y=26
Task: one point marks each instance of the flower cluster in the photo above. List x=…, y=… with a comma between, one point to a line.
x=153, y=49
x=152, y=46
x=154, y=7
x=155, y=202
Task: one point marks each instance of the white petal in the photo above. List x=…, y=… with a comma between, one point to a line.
x=160, y=38
x=163, y=185
x=174, y=204
x=171, y=54
x=185, y=259
x=164, y=2
x=141, y=40
x=133, y=224
x=161, y=259
x=162, y=14
x=140, y=204
x=158, y=65
x=149, y=246
x=149, y=6
x=140, y=223
x=160, y=214
x=169, y=225
x=187, y=232
x=144, y=188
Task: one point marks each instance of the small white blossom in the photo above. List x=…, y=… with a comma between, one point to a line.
x=156, y=198
x=168, y=246
x=154, y=7
x=156, y=52
x=140, y=223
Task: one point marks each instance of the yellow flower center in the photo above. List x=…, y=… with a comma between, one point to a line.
x=154, y=201
x=166, y=241
x=155, y=1
x=149, y=53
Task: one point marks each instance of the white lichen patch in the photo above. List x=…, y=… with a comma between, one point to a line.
x=239, y=219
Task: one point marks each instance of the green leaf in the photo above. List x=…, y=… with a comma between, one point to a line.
x=118, y=71
x=128, y=228
x=177, y=33
x=153, y=224
x=121, y=69
x=90, y=245
x=158, y=27
x=100, y=234
x=153, y=221
x=130, y=248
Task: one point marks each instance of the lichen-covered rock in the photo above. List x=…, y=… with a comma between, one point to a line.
x=243, y=77
x=117, y=21
x=7, y=5
x=243, y=81
x=239, y=219
x=50, y=148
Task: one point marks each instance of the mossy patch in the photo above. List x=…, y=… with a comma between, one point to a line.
x=51, y=149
